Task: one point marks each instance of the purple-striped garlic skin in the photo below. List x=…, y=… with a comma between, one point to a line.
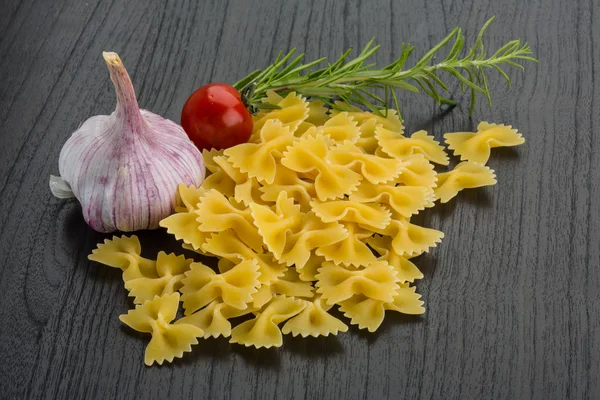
x=124, y=168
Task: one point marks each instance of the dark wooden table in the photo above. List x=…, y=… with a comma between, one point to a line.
x=512, y=293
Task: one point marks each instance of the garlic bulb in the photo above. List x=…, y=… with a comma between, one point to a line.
x=124, y=168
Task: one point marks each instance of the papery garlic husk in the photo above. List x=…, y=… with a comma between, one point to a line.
x=124, y=168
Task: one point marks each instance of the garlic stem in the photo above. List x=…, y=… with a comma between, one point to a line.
x=127, y=106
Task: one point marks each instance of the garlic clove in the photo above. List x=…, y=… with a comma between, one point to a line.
x=60, y=188
x=125, y=168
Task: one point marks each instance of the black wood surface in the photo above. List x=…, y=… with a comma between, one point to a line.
x=512, y=293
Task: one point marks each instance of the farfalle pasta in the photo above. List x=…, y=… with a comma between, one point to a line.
x=404, y=200
x=312, y=214
x=217, y=178
x=370, y=215
x=417, y=171
x=313, y=234
x=389, y=120
x=216, y=213
x=289, y=284
x=476, y=146
x=368, y=313
x=340, y=128
x=373, y=168
x=125, y=253
x=352, y=250
x=407, y=271
x=274, y=223
x=288, y=181
x=411, y=239
x=169, y=340
x=229, y=246
x=293, y=111
x=213, y=319
x=235, y=287
x=376, y=281
x=419, y=142
x=309, y=154
x=263, y=330
x=170, y=270
x=466, y=175
x=314, y=321
x=259, y=160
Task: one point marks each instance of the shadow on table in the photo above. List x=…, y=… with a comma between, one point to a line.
x=505, y=153
x=427, y=122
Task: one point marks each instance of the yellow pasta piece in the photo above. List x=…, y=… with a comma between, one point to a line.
x=288, y=181
x=406, y=301
x=262, y=297
x=228, y=245
x=170, y=270
x=332, y=181
x=340, y=128
x=317, y=115
x=365, y=312
x=213, y=319
x=292, y=112
x=419, y=143
x=185, y=226
x=417, y=171
x=336, y=283
x=475, y=147
x=407, y=271
x=390, y=121
x=188, y=197
x=168, y=340
x=262, y=331
x=271, y=97
x=208, y=156
x=248, y=192
x=351, y=250
x=367, y=215
x=216, y=213
x=223, y=177
x=314, y=233
x=289, y=285
x=259, y=160
x=409, y=239
x=274, y=224
x=309, y=271
x=202, y=285
x=466, y=175
x=405, y=200
x=367, y=140
x=124, y=253
x=221, y=182
x=368, y=313
x=373, y=168
x=314, y=321
x=230, y=170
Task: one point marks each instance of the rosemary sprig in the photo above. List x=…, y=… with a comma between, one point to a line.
x=354, y=81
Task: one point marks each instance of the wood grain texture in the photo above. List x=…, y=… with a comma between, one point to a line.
x=512, y=293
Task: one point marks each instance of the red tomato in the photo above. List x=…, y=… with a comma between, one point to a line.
x=214, y=116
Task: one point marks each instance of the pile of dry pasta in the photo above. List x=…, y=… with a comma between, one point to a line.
x=314, y=212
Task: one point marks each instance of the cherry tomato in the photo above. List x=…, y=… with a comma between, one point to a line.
x=214, y=117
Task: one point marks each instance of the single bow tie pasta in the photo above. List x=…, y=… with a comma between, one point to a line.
x=308, y=206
